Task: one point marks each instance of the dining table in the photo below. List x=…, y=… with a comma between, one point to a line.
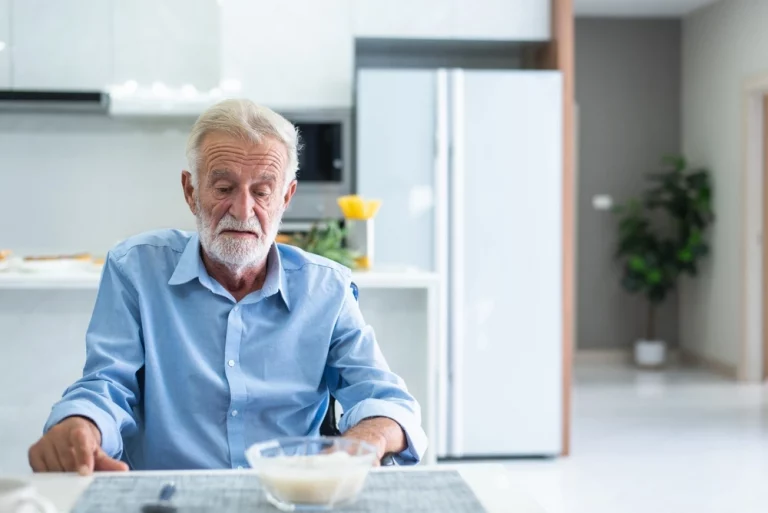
x=495, y=488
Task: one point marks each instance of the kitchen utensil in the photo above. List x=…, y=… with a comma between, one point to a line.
x=163, y=504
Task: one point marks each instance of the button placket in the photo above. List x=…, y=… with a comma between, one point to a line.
x=237, y=391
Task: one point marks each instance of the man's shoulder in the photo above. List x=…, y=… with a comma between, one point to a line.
x=295, y=260
x=173, y=241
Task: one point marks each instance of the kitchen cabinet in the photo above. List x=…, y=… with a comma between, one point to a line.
x=5, y=44
x=511, y=20
x=173, y=42
x=61, y=44
x=516, y=20
x=289, y=55
x=408, y=19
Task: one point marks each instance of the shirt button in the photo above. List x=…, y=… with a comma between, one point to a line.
x=234, y=413
x=231, y=363
x=236, y=308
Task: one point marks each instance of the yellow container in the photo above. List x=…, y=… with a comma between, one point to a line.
x=356, y=208
x=359, y=214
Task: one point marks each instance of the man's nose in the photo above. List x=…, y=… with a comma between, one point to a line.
x=242, y=205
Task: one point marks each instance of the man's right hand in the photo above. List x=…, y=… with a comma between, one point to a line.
x=72, y=445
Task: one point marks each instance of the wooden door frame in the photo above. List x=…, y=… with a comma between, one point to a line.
x=559, y=54
x=753, y=361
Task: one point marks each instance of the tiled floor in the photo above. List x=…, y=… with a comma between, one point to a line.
x=677, y=441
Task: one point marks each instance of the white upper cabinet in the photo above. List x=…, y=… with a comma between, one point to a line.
x=60, y=44
x=515, y=20
x=171, y=42
x=5, y=44
x=296, y=54
x=407, y=19
x=511, y=20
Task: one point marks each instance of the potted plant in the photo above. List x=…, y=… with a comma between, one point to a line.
x=661, y=237
x=327, y=239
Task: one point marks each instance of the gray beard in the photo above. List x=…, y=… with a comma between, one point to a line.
x=235, y=254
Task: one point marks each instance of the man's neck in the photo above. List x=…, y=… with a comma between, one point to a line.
x=238, y=282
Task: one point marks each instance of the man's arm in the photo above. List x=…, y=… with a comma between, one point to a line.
x=377, y=406
x=108, y=390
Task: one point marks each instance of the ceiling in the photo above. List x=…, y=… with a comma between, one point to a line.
x=638, y=8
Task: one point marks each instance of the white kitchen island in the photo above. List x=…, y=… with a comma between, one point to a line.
x=44, y=317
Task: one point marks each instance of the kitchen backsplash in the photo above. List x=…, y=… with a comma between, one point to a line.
x=75, y=183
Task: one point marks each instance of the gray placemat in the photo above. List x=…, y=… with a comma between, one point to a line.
x=385, y=492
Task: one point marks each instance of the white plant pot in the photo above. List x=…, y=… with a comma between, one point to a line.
x=650, y=353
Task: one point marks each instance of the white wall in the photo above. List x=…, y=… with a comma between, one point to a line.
x=723, y=46
x=81, y=183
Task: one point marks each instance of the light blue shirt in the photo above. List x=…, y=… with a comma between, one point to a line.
x=220, y=375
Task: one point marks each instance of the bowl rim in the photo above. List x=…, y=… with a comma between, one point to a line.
x=253, y=452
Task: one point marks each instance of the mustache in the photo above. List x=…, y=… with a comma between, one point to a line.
x=230, y=223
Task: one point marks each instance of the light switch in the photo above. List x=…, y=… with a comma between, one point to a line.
x=602, y=202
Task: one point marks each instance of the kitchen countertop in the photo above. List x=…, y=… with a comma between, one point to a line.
x=384, y=278
x=491, y=483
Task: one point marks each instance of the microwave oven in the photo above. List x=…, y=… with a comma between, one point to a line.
x=325, y=163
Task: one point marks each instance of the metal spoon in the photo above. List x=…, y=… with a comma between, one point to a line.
x=163, y=504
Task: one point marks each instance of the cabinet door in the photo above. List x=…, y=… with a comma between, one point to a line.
x=290, y=55
x=61, y=44
x=174, y=42
x=396, y=150
x=513, y=20
x=5, y=44
x=429, y=19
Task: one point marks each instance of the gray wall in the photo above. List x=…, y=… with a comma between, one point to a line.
x=628, y=92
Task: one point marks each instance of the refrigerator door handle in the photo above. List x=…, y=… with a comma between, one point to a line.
x=457, y=288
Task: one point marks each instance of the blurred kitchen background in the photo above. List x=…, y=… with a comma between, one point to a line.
x=533, y=321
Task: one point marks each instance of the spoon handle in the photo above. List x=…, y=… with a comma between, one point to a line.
x=167, y=492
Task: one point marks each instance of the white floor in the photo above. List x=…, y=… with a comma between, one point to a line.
x=677, y=441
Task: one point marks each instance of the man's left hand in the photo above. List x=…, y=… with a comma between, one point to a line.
x=383, y=433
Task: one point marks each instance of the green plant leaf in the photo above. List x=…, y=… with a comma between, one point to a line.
x=636, y=263
x=654, y=276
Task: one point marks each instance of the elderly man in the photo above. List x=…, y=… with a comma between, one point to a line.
x=202, y=344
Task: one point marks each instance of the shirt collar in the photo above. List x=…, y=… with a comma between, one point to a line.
x=275, y=281
x=191, y=266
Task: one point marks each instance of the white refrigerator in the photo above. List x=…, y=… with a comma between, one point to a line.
x=468, y=164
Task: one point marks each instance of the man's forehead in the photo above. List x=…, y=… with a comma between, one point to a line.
x=221, y=152
x=218, y=143
x=226, y=173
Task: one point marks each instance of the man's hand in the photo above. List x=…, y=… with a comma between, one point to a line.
x=383, y=433
x=72, y=445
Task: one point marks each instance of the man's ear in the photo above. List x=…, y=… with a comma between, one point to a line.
x=289, y=192
x=188, y=186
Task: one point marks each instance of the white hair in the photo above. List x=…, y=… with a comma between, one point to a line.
x=248, y=121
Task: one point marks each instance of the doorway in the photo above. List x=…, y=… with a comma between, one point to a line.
x=764, y=374
x=753, y=364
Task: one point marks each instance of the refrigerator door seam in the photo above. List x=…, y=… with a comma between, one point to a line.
x=457, y=294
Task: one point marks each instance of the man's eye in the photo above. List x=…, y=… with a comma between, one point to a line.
x=223, y=190
x=262, y=194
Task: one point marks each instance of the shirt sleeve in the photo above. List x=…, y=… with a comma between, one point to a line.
x=366, y=386
x=108, y=390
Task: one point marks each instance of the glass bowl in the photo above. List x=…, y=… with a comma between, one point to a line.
x=311, y=473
